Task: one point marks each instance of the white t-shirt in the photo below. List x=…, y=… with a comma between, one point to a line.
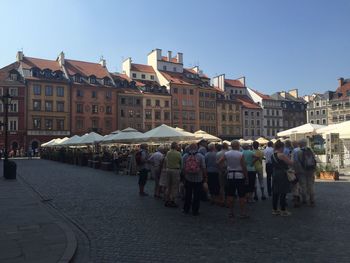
x=268, y=152
x=233, y=161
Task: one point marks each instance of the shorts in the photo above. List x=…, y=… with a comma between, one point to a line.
x=251, y=182
x=235, y=185
x=143, y=174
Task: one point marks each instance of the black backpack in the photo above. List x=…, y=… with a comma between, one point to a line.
x=307, y=161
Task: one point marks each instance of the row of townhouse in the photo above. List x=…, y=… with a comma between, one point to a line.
x=330, y=107
x=64, y=97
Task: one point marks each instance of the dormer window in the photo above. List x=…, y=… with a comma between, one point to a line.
x=77, y=78
x=92, y=80
x=107, y=81
x=58, y=75
x=14, y=76
x=35, y=72
x=47, y=73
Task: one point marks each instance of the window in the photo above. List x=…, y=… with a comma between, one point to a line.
x=223, y=117
x=131, y=113
x=252, y=114
x=79, y=108
x=13, y=106
x=176, y=115
x=324, y=121
x=130, y=101
x=258, y=114
x=108, y=124
x=80, y=124
x=134, y=75
x=60, y=91
x=246, y=122
x=311, y=113
x=122, y=113
x=317, y=112
x=166, y=116
x=157, y=103
x=48, y=91
x=108, y=109
x=164, y=67
x=191, y=115
x=230, y=117
x=143, y=76
x=138, y=114
x=80, y=93
x=108, y=94
x=94, y=109
x=184, y=91
x=223, y=106
x=237, y=107
x=175, y=102
x=246, y=113
x=14, y=76
x=237, y=117
x=92, y=80
x=175, y=90
x=157, y=115
x=36, y=123
x=148, y=114
x=152, y=77
x=60, y=125
x=122, y=101
x=93, y=94
x=94, y=124
x=13, y=125
x=148, y=102
x=317, y=121
x=230, y=106
x=60, y=106
x=184, y=115
x=36, y=105
x=48, y=124
x=166, y=104
x=37, y=89
x=258, y=123
x=13, y=92
x=323, y=112
x=174, y=69
x=252, y=122
x=191, y=91
x=48, y=105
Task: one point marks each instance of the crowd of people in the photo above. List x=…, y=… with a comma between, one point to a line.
x=225, y=173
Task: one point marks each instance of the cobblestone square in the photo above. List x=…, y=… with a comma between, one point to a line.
x=123, y=227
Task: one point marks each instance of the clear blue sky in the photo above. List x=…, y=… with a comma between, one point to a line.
x=277, y=45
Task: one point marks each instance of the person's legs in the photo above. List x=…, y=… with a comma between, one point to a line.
x=230, y=192
x=302, y=183
x=169, y=183
x=275, y=198
x=310, y=181
x=197, y=189
x=251, y=185
x=269, y=170
x=222, y=187
x=283, y=201
x=142, y=181
x=188, y=196
x=175, y=185
x=261, y=184
x=241, y=195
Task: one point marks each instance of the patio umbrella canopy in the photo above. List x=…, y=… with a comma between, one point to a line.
x=165, y=133
x=262, y=140
x=307, y=128
x=58, y=142
x=71, y=141
x=343, y=128
x=206, y=136
x=90, y=138
x=127, y=135
x=48, y=143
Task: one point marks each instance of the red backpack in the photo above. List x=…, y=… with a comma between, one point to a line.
x=192, y=164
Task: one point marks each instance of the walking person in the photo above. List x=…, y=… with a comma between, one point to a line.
x=307, y=165
x=195, y=175
x=296, y=192
x=173, y=170
x=213, y=173
x=258, y=157
x=236, y=178
x=141, y=158
x=280, y=184
x=249, y=161
x=268, y=152
x=116, y=160
x=222, y=172
x=156, y=160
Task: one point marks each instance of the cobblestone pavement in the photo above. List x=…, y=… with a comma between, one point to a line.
x=124, y=227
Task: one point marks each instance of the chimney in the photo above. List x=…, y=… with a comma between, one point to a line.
x=294, y=93
x=159, y=54
x=102, y=62
x=341, y=82
x=61, y=59
x=179, y=58
x=242, y=80
x=19, y=56
x=169, y=56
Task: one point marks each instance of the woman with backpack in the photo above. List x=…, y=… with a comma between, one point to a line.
x=195, y=175
x=280, y=182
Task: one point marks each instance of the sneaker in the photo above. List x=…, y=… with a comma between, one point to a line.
x=276, y=212
x=285, y=213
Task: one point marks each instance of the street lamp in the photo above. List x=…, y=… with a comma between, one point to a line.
x=8, y=166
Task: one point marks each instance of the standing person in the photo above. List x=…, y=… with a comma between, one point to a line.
x=259, y=170
x=280, y=185
x=156, y=160
x=202, y=147
x=213, y=173
x=195, y=175
x=307, y=165
x=249, y=161
x=222, y=172
x=236, y=178
x=297, y=170
x=288, y=148
x=141, y=158
x=268, y=152
x=173, y=169
x=116, y=160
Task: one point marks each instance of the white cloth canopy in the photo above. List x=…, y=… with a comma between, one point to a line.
x=71, y=141
x=58, y=142
x=127, y=135
x=262, y=140
x=164, y=133
x=90, y=138
x=46, y=144
x=206, y=136
x=307, y=128
x=342, y=128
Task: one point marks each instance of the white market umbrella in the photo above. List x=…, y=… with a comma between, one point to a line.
x=262, y=140
x=71, y=141
x=206, y=136
x=90, y=138
x=48, y=143
x=307, y=128
x=343, y=128
x=165, y=133
x=127, y=135
x=58, y=142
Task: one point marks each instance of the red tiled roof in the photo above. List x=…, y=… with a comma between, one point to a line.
x=85, y=68
x=234, y=83
x=179, y=78
x=192, y=71
x=4, y=75
x=142, y=68
x=247, y=102
x=344, y=89
x=173, y=60
x=263, y=96
x=28, y=63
